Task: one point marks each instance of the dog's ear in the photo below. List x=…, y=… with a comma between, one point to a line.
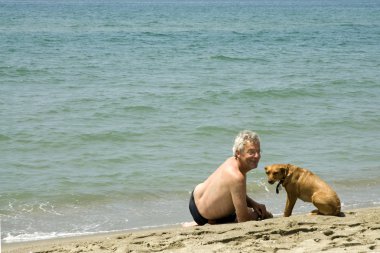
x=289, y=166
x=284, y=170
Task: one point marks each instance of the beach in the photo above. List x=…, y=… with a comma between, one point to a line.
x=358, y=231
x=111, y=112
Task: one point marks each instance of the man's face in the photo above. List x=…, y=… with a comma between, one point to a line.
x=251, y=155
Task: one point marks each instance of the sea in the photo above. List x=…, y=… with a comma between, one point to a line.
x=112, y=111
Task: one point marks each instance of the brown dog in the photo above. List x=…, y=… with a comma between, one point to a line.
x=303, y=184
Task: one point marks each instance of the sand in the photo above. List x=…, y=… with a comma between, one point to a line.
x=358, y=231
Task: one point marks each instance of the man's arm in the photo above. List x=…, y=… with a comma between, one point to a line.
x=259, y=208
x=239, y=199
x=250, y=202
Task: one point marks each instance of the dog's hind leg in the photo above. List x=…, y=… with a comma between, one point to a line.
x=325, y=205
x=314, y=212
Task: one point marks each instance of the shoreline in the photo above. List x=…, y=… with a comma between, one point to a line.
x=358, y=231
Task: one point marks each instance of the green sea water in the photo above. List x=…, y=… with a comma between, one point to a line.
x=112, y=111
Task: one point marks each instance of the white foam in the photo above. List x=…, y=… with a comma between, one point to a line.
x=37, y=236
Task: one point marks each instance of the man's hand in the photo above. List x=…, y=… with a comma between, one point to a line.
x=260, y=209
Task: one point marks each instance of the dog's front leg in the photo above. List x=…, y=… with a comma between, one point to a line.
x=290, y=202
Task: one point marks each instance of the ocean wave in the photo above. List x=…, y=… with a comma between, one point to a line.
x=139, y=108
x=214, y=130
x=358, y=182
x=259, y=94
x=21, y=72
x=233, y=59
x=155, y=34
x=18, y=206
x=116, y=136
x=257, y=185
x=334, y=89
x=37, y=236
x=4, y=137
x=283, y=93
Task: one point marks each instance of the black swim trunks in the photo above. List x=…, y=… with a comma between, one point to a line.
x=200, y=220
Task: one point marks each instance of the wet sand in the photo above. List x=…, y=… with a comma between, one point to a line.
x=358, y=231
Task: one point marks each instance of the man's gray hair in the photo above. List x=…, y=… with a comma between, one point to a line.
x=242, y=138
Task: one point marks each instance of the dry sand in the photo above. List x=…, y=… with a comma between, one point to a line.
x=358, y=231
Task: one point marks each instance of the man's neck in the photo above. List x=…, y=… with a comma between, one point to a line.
x=243, y=169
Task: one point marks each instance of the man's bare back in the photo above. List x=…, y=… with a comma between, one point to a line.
x=213, y=196
x=224, y=193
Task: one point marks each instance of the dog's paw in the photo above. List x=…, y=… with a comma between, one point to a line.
x=314, y=212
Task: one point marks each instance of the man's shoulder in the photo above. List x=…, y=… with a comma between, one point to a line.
x=233, y=173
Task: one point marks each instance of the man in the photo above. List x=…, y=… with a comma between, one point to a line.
x=222, y=198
